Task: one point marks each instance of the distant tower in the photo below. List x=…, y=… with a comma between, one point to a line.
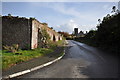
x=75, y=31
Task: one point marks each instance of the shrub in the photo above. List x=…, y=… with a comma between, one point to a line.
x=14, y=48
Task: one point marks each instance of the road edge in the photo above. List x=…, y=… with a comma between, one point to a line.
x=35, y=68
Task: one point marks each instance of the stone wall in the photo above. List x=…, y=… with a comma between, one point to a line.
x=16, y=31
x=0, y=32
x=36, y=28
x=25, y=32
x=54, y=36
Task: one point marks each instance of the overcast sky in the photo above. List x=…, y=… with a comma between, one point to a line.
x=62, y=16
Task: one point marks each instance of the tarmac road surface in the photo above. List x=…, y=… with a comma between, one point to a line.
x=80, y=61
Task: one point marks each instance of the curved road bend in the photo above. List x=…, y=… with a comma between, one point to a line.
x=80, y=61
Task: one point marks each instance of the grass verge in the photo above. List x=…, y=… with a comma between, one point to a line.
x=10, y=59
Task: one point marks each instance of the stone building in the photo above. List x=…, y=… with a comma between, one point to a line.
x=75, y=31
x=27, y=33
x=81, y=34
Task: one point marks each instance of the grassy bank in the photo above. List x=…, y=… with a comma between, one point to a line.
x=10, y=59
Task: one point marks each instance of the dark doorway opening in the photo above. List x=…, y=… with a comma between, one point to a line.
x=54, y=39
x=58, y=38
x=39, y=38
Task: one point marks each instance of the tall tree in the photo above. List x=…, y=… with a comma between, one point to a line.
x=99, y=20
x=114, y=9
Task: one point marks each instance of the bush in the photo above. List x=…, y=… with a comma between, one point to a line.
x=14, y=48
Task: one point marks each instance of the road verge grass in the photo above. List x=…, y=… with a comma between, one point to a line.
x=10, y=59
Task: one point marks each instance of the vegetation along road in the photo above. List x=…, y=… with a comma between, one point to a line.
x=80, y=61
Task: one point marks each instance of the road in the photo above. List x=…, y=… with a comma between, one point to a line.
x=80, y=61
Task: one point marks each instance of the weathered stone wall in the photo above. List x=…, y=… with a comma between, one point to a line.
x=52, y=33
x=25, y=32
x=16, y=31
x=36, y=27
x=0, y=32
